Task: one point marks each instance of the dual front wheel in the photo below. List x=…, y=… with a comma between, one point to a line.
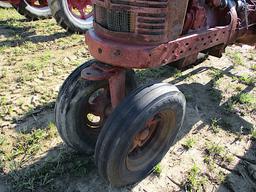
x=127, y=141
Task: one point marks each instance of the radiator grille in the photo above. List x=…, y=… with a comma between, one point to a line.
x=153, y=24
x=119, y=21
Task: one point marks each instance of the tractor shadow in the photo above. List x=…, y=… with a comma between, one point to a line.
x=18, y=35
x=62, y=169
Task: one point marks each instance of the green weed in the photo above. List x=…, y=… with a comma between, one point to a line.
x=157, y=169
x=215, y=125
x=237, y=58
x=195, y=179
x=189, y=143
x=245, y=98
x=248, y=80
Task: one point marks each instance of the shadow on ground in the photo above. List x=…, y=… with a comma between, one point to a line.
x=20, y=35
x=61, y=169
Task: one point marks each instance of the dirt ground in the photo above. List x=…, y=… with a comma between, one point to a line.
x=215, y=150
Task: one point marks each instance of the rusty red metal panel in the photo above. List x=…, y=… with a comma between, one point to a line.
x=115, y=75
x=140, y=56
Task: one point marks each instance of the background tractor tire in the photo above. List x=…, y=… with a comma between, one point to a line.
x=65, y=18
x=32, y=13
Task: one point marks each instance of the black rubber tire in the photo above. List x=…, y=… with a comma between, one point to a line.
x=25, y=9
x=58, y=11
x=5, y=4
x=128, y=119
x=69, y=110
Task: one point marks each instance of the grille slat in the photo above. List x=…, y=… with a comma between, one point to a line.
x=142, y=3
x=151, y=24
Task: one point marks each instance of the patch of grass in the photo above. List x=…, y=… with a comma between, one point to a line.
x=43, y=174
x=162, y=72
x=39, y=62
x=28, y=144
x=214, y=149
x=253, y=134
x=215, y=125
x=216, y=74
x=189, y=143
x=196, y=179
x=157, y=169
x=2, y=140
x=251, y=56
x=208, y=160
x=247, y=80
x=253, y=67
x=237, y=58
x=245, y=98
x=229, y=106
x=217, y=152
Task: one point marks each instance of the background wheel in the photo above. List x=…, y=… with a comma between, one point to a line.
x=139, y=133
x=73, y=15
x=33, y=10
x=82, y=108
x=5, y=4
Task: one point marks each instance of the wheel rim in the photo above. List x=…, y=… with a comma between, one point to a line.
x=38, y=7
x=95, y=109
x=150, y=140
x=98, y=108
x=80, y=12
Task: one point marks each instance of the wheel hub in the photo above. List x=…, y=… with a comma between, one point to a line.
x=143, y=136
x=80, y=8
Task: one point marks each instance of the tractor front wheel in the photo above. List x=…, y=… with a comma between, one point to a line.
x=82, y=108
x=139, y=133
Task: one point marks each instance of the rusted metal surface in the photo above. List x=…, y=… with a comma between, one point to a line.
x=144, y=21
x=145, y=135
x=206, y=27
x=147, y=34
x=114, y=75
x=134, y=56
x=196, y=17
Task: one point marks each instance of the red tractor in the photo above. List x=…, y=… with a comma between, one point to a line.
x=73, y=15
x=100, y=111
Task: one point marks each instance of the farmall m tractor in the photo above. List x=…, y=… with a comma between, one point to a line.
x=75, y=16
x=100, y=110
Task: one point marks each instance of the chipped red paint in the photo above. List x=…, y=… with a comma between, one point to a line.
x=115, y=76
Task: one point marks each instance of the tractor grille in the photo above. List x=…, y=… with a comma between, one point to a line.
x=119, y=21
x=124, y=21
